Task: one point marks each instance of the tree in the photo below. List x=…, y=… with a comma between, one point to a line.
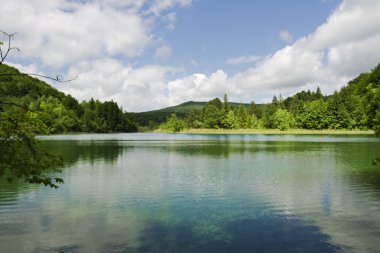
x=217, y=103
x=318, y=93
x=283, y=120
x=242, y=116
x=226, y=106
x=194, y=118
x=266, y=120
x=173, y=124
x=212, y=117
x=337, y=113
x=373, y=109
x=8, y=48
x=314, y=115
x=229, y=120
x=19, y=153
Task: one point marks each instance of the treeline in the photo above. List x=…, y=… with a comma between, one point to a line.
x=55, y=111
x=355, y=106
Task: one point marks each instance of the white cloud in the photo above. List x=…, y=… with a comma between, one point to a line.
x=163, y=52
x=198, y=87
x=347, y=44
x=243, y=59
x=160, y=5
x=62, y=32
x=88, y=37
x=136, y=89
x=286, y=36
x=171, y=18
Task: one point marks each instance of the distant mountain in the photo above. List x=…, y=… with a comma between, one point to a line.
x=159, y=116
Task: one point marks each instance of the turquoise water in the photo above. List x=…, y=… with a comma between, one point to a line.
x=200, y=193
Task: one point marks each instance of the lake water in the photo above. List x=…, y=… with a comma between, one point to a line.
x=200, y=193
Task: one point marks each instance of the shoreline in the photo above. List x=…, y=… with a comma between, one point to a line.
x=277, y=132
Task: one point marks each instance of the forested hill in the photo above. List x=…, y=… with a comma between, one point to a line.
x=153, y=118
x=354, y=106
x=56, y=111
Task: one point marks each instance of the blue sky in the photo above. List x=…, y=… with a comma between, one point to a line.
x=149, y=54
x=210, y=32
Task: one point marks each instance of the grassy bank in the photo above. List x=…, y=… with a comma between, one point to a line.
x=276, y=131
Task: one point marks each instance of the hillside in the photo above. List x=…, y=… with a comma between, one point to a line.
x=156, y=117
x=56, y=111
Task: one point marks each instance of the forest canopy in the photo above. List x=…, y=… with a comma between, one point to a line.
x=56, y=111
x=354, y=106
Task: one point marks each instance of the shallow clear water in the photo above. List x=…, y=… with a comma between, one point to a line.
x=200, y=193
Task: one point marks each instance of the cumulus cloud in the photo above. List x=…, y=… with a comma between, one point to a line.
x=96, y=37
x=136, y=89
x=243, y=59
x=198, y=86
x=62, y=32
x=347, y=44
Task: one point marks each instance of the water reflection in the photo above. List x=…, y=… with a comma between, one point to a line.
x=247, y=235
x=212, y=195
x=73, y=151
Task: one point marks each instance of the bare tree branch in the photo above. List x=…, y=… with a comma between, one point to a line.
x=57, y=78
x=9, y=48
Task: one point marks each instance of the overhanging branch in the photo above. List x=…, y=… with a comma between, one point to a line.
x=57, y=78
x=4, y=55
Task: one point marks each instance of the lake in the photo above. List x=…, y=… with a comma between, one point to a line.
x=199, y=193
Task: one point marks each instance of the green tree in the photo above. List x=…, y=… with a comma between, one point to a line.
x=216, y=102
x=283, y=120
x=318, y=93
x=229, y=120
x=267, y=120
x=314, y=115
x=194, y=118
x=20, y=156
x=242, y=117
x=338, y=116
x=212, y=117
x=373, y=109
x=226, y=106
x=173, y=124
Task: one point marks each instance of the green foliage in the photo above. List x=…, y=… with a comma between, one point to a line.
x=105, y=117
x=62, y=113
x=20, y=156
x=216, y=102
x=29, y=106
x=283, y=120
x=229, y=120
x=226, y=106
x=267, y=119
x=373, y=109
x=173, y=124
x=338, y=116
x=314, y=115
x=212, y=116
x=194, y=118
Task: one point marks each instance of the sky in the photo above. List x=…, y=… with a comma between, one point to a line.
x=150, y=54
